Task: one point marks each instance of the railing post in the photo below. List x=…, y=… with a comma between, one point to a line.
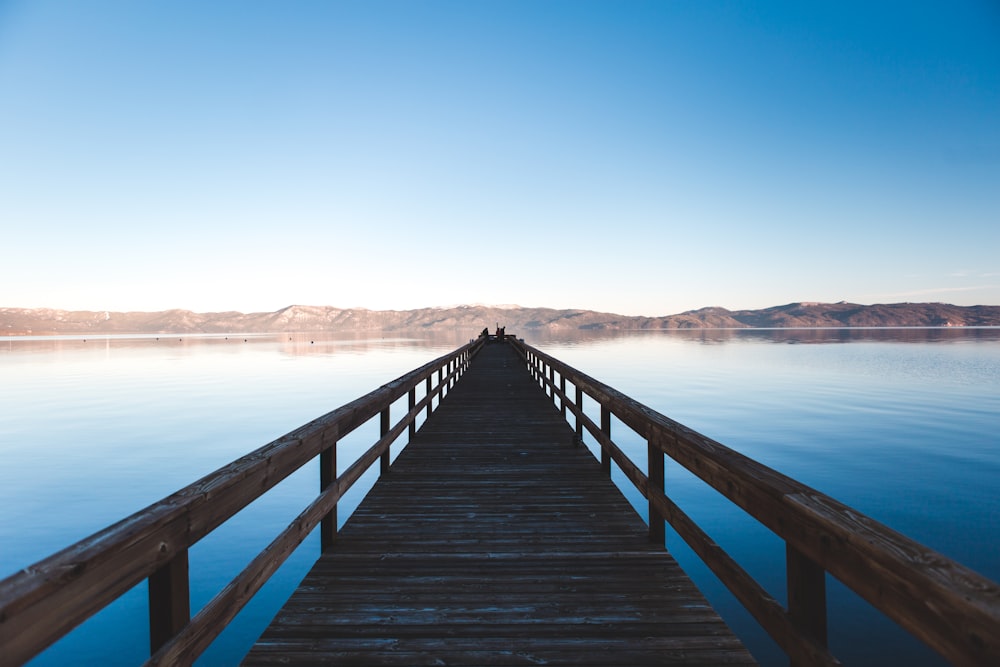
x=169, y=600
x=655, y=475
x=550, y=389
x=606, y=430
x=806, y=595
x=411, y=402
x=579, y=414
x=562, y=400
x=382, y=433
x=427, y=393
x=327, y=476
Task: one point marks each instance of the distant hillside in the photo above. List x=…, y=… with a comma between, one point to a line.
x=22, y=321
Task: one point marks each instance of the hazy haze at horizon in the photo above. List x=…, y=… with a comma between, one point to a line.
x=636, y=158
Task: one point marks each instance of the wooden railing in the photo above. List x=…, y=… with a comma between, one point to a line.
x=43, y=602
x=951, y=608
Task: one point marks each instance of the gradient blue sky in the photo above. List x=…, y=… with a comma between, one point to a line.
x=633, y=157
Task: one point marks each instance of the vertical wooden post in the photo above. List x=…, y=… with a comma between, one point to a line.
x=550, y=389
x=654, y=462
x=169, y=601
x=806, y=595
x=327, y=476
x=579, y=414
x=562, y=400
x=427, y=393
x=411, y=403
x=606, y=430
x=382, y=432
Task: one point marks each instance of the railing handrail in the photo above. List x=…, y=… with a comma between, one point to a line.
x=951, y=608
x=43, y=602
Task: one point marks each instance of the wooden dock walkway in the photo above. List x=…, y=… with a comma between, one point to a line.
x=494, y=540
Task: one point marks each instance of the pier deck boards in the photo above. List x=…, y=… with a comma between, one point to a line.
x=494, y=541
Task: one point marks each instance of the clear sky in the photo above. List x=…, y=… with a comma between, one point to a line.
x=633, y=157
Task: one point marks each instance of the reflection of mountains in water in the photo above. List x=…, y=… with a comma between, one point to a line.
x=468, y=321
x=843, y=334
x=788, y=336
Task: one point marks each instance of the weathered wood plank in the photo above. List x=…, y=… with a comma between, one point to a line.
x=43, y=602
x=494, y=540
x=951, y=608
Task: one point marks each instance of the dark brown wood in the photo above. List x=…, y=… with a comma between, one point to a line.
x=953, y=609
x=169, y=600
x=43, y=602
x=383, y=429
x=562, y=393
x=212, y=619
x=655, y=474
x=495, y=541
x=767, y=611
x=327, y=476
x=411, y=400
x=427, y=392
x=208, y=623
x=606, y=431
x=578, y=404
x=806, y=597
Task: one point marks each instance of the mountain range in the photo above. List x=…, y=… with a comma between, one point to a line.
x=44, y=321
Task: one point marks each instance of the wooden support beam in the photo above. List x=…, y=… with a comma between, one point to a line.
x=169, y=600
x=579, y=412
x=606, y=430
x=384, y=428
x=562, y=388
x=806, y=596
x=430, y=403
x=411, y=401
x=327, y=475
x=655, y=475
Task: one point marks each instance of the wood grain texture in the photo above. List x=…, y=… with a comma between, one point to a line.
x=44, y=601
x=951, y=608
x=493, y=540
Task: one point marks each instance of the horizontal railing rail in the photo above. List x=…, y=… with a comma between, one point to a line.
x=43, y=602
x=951, y=608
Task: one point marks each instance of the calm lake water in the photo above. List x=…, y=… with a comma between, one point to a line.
x=900, y=424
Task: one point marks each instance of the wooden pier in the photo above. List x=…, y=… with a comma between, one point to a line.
x=495, y=539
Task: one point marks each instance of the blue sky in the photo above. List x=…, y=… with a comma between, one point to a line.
x=632, y=157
